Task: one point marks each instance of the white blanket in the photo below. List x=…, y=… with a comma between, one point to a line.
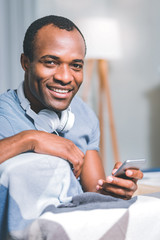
x=41, y=199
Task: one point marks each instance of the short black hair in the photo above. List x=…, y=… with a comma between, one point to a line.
x=58, y=21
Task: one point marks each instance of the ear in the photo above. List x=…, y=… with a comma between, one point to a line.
x=24, y=62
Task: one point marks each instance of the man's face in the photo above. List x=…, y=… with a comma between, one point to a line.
x=56, y=72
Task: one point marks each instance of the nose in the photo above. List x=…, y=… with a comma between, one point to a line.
x=63, y=74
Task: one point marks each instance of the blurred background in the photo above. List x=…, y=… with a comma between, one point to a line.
x=133, y=70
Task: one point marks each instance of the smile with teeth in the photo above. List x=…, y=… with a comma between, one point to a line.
x=60, y=90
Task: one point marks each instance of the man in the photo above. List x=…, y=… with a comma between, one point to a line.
x=53, y=59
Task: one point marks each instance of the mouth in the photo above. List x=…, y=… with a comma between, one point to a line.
x=60, y=92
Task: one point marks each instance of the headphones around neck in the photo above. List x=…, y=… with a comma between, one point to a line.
x=47, y=120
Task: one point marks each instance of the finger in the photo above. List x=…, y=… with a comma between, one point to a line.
x=118, y=187
x=133, y=173
x=77, y=171
x=123, y=195
x=120, y=192
x=100, y=190
x=77, y=174
x=115, y=191
x=78, y=164
x=120, y=182
x=76, y=157
x=116, y=166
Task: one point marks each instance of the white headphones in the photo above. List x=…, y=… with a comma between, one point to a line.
x=47, y=120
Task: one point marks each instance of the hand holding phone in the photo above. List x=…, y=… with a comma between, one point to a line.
x=129, y=164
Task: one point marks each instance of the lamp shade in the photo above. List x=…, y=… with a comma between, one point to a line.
x=102, y=37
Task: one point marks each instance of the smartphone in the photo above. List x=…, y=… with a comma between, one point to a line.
x=129, y=164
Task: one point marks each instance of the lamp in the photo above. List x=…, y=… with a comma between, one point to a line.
x=103, y=44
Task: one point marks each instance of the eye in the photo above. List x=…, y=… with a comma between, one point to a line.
x=77, y=66
x=49, y=62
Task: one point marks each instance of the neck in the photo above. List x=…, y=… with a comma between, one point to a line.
x=36, y=105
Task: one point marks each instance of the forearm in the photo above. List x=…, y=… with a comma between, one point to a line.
x=92, y=171
x=14, y=145
x=44, y=143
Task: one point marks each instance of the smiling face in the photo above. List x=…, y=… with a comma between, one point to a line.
x=56, y=72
